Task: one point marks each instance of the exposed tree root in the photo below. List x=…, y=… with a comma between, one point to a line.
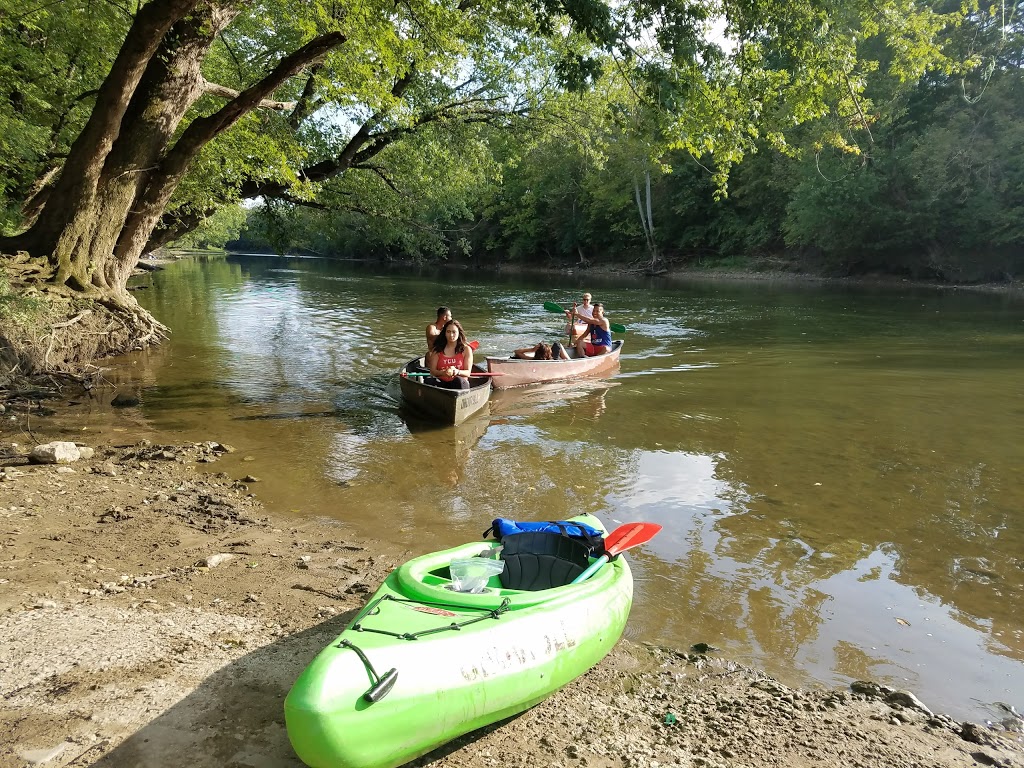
x=49, y=339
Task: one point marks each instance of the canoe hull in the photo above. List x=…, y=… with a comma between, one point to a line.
x=522, y=373
x=448, y=682
x=447, y=406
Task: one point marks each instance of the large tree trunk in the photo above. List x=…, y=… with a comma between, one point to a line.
x=151, y=202
x=79, y=180
x=84, y=254
x=123, y=169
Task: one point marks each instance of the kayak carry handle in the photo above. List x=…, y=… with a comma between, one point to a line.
x=383, y=685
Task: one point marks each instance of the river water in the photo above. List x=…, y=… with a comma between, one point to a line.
x=838, y=470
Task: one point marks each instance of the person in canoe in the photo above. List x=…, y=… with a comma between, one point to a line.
x=600, y=342
x=542, y=352
x=585, y=310
x=434, y=329
x=451, y=358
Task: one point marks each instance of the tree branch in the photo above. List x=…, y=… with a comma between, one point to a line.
x=383, y=176
x=204, y=129
x=306, y=104
x=91, y=148
x=228, y=93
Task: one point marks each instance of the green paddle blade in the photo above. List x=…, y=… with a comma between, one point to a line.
x=617, y=327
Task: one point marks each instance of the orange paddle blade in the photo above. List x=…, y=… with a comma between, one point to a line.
x=628, y=536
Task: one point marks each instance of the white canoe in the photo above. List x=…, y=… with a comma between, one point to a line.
x=520, y=373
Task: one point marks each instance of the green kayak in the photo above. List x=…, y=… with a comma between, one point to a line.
x=422, y=664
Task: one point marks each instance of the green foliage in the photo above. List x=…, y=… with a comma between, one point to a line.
x=942, y=195
x=914, y=180
x=52, y=58
x=224, y=225
x=522, y=130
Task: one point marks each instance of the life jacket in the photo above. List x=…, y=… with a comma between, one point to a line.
x=543, y=555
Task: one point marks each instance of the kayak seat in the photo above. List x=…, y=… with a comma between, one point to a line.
x=539, y=560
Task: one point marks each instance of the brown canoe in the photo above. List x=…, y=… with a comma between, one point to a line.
x=448, y=406
x=522, y=373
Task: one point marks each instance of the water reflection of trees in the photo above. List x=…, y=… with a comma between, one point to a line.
x=820, y=445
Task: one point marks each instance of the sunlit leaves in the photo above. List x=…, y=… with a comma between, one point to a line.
x=52, y=58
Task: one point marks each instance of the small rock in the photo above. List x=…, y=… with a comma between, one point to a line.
x=703, y=648
x=85, y=451
x=109, y=468
x=908, y=700
x=214, y=560
x=57, y=452
x=40, y=756
x=250, y=479
x=124, y=400
x=867, y=688
x=975, y=734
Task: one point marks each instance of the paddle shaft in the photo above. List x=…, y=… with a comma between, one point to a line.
x=472, y=375
x=593, y=568
x=550, y=306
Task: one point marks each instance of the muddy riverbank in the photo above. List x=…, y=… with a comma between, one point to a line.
x=155, y=613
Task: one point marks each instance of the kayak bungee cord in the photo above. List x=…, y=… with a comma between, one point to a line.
x=383, y=683
x=371, y=609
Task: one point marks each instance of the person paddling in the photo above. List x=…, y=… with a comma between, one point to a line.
x=585, y=311
x=434, y=329
x=451, y=359
x=600, y=334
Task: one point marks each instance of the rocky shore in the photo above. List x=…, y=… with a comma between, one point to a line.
x=153, y=613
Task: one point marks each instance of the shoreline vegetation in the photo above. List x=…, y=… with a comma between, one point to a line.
x=751, y=270
x=154, y=612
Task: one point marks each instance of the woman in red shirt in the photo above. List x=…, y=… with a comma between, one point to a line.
x=451, y=359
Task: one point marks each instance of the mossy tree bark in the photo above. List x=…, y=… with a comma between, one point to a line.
x=99, y=215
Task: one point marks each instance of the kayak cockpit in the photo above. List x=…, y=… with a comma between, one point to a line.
x=428, y=578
